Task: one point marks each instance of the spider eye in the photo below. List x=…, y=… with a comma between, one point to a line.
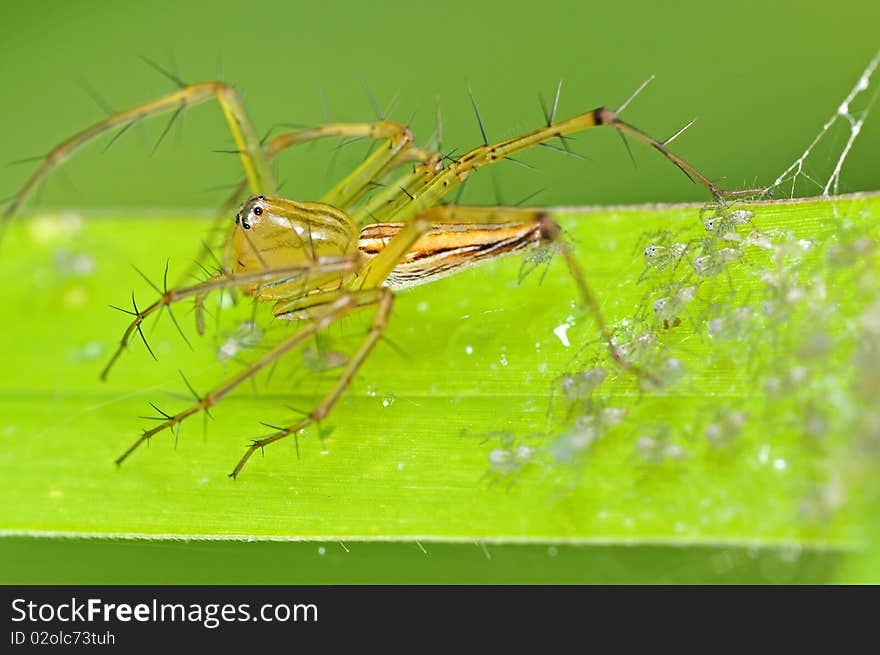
x=258, y=211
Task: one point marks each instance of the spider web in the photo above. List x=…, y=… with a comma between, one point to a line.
x=847, y=115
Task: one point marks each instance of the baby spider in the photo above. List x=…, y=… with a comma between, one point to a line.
x=310, y=260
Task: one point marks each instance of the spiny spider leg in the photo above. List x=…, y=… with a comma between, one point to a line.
x=457, y=172
x=351, y=189
x=384, y=300
x=308, y=273
x=345, y=304
x=255, y=164
x=421, y=174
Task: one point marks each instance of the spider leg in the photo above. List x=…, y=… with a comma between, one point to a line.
x=309, y=274
x=353, y=187
x=383, y=299
x=437, y=187
x=465, y=235
x=345, y=304
x=259, y=177
x=400, y=189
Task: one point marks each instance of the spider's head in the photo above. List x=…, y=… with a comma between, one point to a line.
x=251, y=212
x=275, y=232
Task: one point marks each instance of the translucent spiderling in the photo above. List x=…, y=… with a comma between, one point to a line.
x=581, y=385
x=566, y=447
x=672, y=370
x=669, y=372
x=511, y=456
x=846, y=254
x=317, y=360
x=726, y=222
x=611, y=416
x=247, y=335
x=506, y=461
x=707, y=266
x=816, y=422
x=636, y=341
x=661, y=306
x=73, y=264
x=741, y=216
x=686, y=294
x=727, y=428
x=653, y=250
x=759, y=240
x=729, y=255
x=660, y=256
x=732, y=324
x=658, y=448
x=669, y=308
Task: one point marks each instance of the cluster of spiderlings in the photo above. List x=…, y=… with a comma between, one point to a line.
x=814, y=297
x=770, y=324
x=854, y=467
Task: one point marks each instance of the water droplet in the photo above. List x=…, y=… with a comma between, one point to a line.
x=469, y=349
x=503, y=359
x=372, y=391
x=321, y=550
x=561, y=331
x=388, y=399
x=779, y=464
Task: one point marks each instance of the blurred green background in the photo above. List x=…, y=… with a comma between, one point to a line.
x=761, y=77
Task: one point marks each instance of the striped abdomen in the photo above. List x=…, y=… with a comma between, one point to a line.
x=451, y=247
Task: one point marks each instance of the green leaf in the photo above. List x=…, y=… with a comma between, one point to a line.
x=473, y=426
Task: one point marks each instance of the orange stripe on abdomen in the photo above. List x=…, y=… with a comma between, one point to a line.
x=449, y=248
